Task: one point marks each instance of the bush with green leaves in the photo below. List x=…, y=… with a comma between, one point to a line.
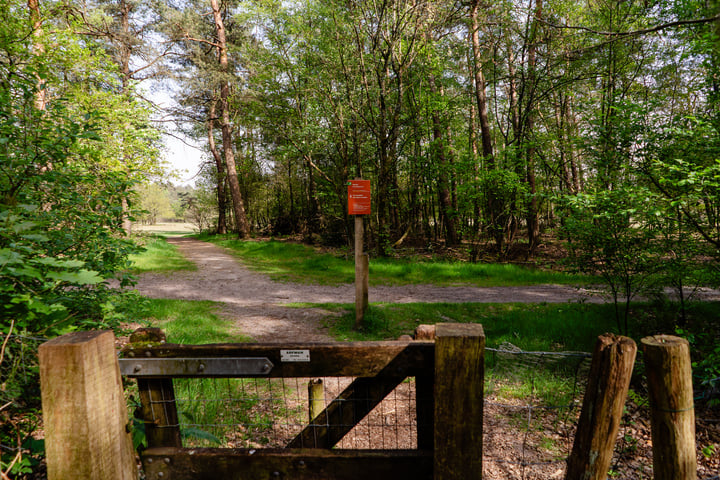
x=609, y=235
x=71, y=150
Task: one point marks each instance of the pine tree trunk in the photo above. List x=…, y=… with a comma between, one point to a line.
x=242, y=228
x=480, y=95
x=221, y=198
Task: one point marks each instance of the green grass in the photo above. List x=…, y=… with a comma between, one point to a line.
x=285, y=261
x=159, y=256
x=531, y=327
x=208, y=416
x=535, y=327
x=190, y=321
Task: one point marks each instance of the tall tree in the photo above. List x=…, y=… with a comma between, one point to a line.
x=221, y=180
x=242, y=228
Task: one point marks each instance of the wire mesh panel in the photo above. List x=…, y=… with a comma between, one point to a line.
x=532, y=401
x=271, y=412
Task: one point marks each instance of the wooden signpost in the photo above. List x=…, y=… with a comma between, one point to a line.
x=359, y=202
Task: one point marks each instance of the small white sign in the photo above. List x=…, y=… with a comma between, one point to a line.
x=295, y=355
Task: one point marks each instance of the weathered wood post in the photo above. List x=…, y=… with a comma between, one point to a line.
x=84, y=411
x=424, y=391
x=459, y=376
x=672, y=415
x=362, y=273
x=316, y=398
x=157, y=395
x=602, y=408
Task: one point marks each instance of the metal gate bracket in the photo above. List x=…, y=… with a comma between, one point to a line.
x=195, y=367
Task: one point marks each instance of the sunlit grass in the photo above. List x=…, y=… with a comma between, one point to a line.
x=190, y=321
x=532, y=327
x=159, y=256
x=286, y=261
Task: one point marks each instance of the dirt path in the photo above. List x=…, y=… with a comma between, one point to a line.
x=256, y=303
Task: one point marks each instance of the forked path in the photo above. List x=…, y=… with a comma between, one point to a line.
x=258, y=305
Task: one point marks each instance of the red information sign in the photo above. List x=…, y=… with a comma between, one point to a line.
x=359, y=197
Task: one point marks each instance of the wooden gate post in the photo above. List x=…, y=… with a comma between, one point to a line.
x=157, y=396
x=459, y=376
x=602, y=408
x=672, y=415
x=362, y=273
x=84, y=410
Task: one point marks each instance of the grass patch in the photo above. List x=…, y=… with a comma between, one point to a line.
x=192, y=322
x=212, y=412
x=533, y=327
x=285, y=261
x=189, y=321
x=159, y=256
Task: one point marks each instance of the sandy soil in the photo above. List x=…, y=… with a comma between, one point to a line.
x=257, y=304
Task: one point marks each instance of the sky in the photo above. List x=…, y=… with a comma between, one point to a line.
x=183, y=156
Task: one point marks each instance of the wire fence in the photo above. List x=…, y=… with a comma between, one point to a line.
x=266, y=413
x=532, y=402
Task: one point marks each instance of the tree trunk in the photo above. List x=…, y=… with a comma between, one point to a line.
x=480, y=96
x=124, y=53
x=313, y=212
x=242, y=228
x=220, y=180
x=38, y=50
x=444, y=198
x=533, y=227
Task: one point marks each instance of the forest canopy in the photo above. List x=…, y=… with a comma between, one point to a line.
x=475, y=122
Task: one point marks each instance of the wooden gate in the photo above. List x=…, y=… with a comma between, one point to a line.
x=448, y=375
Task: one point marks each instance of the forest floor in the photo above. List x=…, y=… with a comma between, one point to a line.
x=258, y=308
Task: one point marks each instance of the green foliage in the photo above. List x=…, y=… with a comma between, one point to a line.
x=201, y=208
x=155, y=203
x=503, y=199
x=611, y=234
x=63, y=189
x=704, y=342
x=33, y=283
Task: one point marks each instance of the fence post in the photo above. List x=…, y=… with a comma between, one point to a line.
x=316, y=398
x=602, y=408
x=84, y=411
x=458, y=425
x=672, y=415
x=362, y=273
x=157, y=396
